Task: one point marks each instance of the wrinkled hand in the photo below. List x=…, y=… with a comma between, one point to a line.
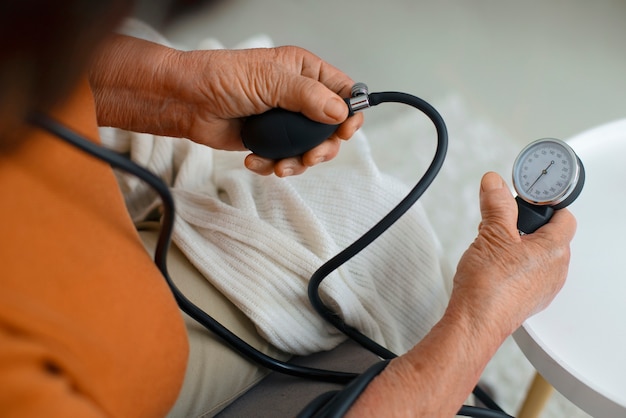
x=204, y=95
x=507, y=276
x=501, y=279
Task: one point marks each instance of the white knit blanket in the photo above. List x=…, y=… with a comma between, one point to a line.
x=259, y=239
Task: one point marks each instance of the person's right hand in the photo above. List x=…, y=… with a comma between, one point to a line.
x=503, y=277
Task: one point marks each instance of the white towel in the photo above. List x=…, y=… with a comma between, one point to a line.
x=259, y=239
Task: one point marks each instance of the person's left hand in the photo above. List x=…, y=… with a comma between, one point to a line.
x=204, y=95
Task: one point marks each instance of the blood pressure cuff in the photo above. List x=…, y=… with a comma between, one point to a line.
x=336, y=403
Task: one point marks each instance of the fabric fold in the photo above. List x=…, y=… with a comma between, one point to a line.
x=259, y=239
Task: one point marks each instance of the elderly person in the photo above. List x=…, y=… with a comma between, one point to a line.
x=88, y=327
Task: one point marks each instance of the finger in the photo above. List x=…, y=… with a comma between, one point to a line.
x=332, y=77
x=350, y=126
x=497, y=206
x=313, y=99
x=562, y=227
x=325, y=151
x=289, y=167
x=259, y=165
x=311, y=88
x=329, y=149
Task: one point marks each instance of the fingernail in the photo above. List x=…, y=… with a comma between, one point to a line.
x=336, y=108
x=254, y=164
x=286, y=172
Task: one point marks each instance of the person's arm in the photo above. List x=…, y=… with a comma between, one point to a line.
x=203, y=95
x=501, y=280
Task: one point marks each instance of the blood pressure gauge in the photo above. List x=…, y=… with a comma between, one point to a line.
x=547, y=175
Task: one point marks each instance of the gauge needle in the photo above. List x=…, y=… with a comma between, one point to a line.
x=543, y=173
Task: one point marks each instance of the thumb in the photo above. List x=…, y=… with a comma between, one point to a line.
x=497, y=206
x=313, y=99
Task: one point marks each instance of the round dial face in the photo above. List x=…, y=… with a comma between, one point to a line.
x=545, y=172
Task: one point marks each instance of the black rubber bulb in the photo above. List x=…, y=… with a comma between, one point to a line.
x=279, y=133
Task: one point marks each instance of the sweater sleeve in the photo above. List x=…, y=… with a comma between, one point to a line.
x=88, y=326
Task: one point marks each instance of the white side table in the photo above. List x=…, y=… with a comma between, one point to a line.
x=578, y=344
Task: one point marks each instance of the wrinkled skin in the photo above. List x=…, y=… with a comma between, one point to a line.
x=203, y=95
x=501, y=280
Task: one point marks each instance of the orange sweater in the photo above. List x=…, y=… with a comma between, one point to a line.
x=88, y=327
